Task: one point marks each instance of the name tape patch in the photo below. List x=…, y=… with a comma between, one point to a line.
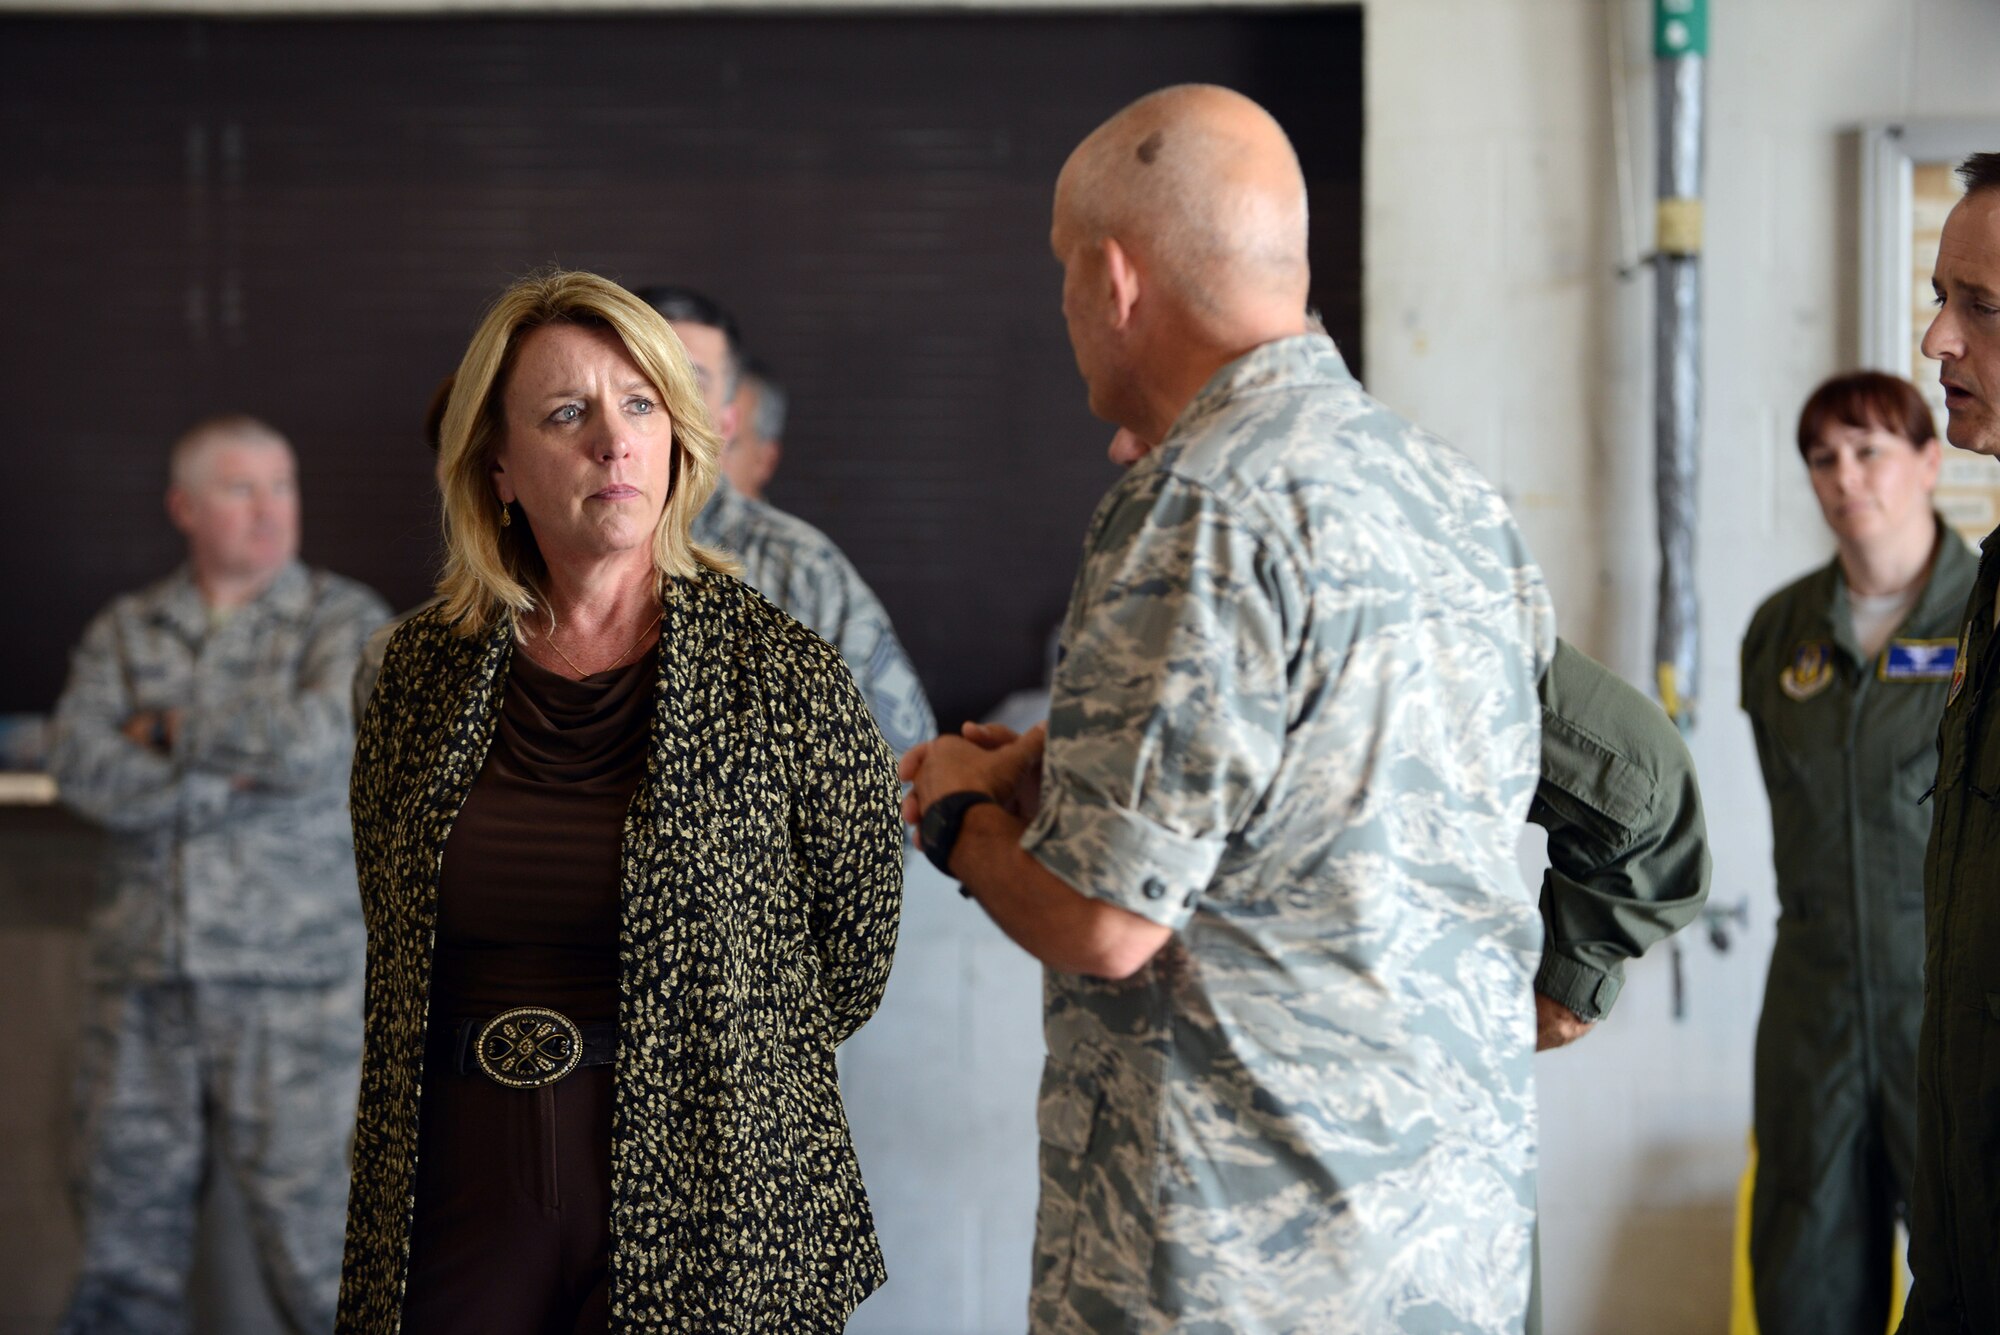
x=1919, y=660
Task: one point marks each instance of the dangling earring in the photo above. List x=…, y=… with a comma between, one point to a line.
x=506, y=514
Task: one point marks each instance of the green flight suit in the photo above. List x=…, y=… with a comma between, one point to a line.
x=1628, y=850
x=1847, y=747
x=1955, y=1208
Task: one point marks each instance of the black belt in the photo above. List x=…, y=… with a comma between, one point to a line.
x=527, y=1047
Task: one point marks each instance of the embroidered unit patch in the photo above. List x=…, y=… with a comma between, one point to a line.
x=1811, y=670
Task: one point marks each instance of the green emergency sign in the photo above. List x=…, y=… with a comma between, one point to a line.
x=1680, y=28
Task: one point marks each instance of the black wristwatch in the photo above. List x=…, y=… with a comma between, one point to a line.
x=938, y=830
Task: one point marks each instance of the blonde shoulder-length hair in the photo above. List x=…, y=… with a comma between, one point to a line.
x=493, y=571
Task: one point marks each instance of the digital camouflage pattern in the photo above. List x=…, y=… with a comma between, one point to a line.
x=277, y=1063
x=1295, y=720
x=798, y=567
x=226, y=944
x=231, y=858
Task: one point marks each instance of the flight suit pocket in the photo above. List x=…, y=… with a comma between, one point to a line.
x=1066, y=1113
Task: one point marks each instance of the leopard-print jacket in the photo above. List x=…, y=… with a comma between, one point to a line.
x=762, y=883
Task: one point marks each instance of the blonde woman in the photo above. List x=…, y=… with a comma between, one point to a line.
x=630, y=860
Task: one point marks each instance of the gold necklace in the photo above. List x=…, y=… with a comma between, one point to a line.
x=550, y=640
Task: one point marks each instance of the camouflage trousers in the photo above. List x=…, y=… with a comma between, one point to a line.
x=275, y=1069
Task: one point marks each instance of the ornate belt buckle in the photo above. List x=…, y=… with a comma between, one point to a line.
x=528, y=1047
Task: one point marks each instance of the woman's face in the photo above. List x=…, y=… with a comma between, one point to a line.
x=1871, y=483
x=588, y=447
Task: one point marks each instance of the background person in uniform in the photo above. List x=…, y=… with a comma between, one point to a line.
x=627, y=841
x=1955, y=1204
x=1844, y=675
x=205, y=725
x=1271, y=862
x=750, y=459
x=784, y=558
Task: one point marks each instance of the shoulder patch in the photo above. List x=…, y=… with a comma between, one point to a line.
x=1918, y=660
x=1810, y=672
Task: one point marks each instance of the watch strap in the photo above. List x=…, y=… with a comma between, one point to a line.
x=941, y=823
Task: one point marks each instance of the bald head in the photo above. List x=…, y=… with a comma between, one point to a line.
x=1201, y=185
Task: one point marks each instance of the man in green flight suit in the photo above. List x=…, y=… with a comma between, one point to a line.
x=1844, y=675
x=1955, y=1209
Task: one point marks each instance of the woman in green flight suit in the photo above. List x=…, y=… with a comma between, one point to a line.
x=1844, y=678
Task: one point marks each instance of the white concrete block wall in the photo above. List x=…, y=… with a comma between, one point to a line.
x=1494, y=317
x=940, y=1092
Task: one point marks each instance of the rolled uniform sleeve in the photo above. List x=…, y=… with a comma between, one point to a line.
x=1168, y=710
x=1628, y=846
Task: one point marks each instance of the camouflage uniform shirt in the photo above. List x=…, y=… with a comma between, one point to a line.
x=231, y=858
x=797, y=567
x=1295, y=720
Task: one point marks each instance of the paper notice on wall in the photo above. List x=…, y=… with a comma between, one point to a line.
x=1968, y=493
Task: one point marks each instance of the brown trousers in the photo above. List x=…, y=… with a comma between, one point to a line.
x=513, y=1218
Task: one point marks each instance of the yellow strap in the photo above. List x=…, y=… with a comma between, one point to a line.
x=1742, y=1295
x=1677, y=227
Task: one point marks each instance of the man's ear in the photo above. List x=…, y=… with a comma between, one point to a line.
x=1123, y=277
x=180, y=508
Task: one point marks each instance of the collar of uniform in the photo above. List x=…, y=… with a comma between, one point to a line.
x=1302, y=359
x=1839, y=613
x=288, y=594
x=720, y=520
x=1937, y=603
x=180, y=605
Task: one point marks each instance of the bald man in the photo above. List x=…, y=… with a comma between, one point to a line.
x=206, y=727
x=1266, y=848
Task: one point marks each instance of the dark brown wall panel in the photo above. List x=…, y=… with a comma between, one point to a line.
x=304, y=219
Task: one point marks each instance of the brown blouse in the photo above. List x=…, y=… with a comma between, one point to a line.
x=528, y=896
